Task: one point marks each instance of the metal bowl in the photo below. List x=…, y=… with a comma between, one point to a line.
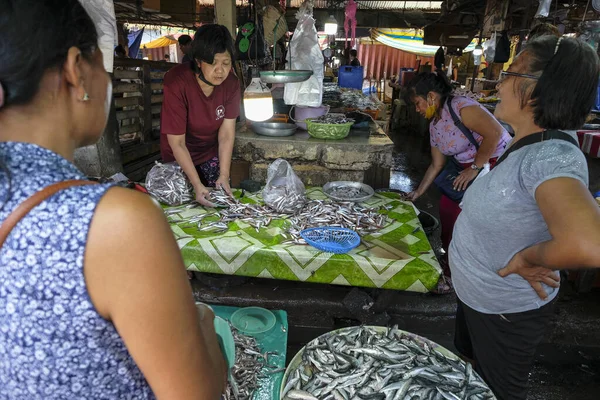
x=285, y=76
x=276, y=129
x=331, y=186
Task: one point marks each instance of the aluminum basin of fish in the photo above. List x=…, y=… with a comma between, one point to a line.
x=379, y=363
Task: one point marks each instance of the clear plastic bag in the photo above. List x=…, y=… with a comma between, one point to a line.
x=169, y=185
x=490, y=48
x=544, y=9
x=304, y=53
x=284, y=191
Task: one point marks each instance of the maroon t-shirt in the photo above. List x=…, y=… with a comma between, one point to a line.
x=187, y=111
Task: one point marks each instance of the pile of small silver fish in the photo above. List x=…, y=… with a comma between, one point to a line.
x=363, y=220
x=360, y=363
x=347, y=192
x=169, y=185
x=288, y=203
x=315, y=213
x=333, y=119
x=250, y=366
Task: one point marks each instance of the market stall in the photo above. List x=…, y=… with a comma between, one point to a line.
x=396, y=256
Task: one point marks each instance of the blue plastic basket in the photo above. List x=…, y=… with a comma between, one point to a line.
x=331, y=239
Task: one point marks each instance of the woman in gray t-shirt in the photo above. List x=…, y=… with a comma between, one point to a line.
x=530, y=216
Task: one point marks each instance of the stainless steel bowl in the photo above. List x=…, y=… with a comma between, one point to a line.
x=285, y=76
x=331, y=186
x=275, y=129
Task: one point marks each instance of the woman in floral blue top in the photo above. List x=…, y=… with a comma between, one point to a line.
x=94, y=299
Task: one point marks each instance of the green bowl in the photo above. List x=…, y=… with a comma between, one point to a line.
x=328, y=131
x=253, y=321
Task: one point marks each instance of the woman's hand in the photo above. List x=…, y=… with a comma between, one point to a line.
x=466, y=176
x=414, y=195
x=203, y=196
x=533, y=274
x=223, y=183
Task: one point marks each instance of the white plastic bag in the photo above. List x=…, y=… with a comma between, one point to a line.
x=102, y=13
x=284, y=191
x=544, y=9
x=490, y=48
x=169, y=185
x=304, y=53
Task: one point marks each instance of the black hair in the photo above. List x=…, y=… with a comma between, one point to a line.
x=353, y=53
x=209, y=40
x=184, y=40
x=566, y=91
x=426, y=82
x=36, y=37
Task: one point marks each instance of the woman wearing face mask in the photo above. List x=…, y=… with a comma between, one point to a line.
x=200, y=106
x=466, y=135
x=530, y=216
x=94, y=300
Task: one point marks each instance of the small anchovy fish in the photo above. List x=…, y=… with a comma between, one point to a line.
x=362, y=364
x=250, y=366
x=298, y=214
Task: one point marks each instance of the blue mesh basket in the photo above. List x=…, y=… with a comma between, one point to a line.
x=331, y=239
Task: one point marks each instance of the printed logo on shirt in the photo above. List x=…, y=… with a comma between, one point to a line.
x=220, y=112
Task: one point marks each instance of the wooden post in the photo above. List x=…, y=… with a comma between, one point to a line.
x=225, y=14
x=147, y=96
x=102, y=159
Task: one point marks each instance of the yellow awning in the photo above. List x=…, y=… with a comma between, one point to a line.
x=160, y=42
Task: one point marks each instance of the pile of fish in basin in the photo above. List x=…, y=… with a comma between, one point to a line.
x=378, y=363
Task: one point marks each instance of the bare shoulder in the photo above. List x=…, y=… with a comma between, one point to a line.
x=129, y=241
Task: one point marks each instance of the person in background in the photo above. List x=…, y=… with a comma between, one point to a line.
x=167, y=58
x=354, y=62
x=529, y=217
x=94, y=300
x=430, y=92
x=185, y=45
x=120, y=52
x=201, y=104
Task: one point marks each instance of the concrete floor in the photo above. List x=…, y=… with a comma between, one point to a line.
x=568, y=362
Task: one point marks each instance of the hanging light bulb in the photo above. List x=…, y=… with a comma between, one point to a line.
x=331, y=26
x=258, y=101
x=478, y=50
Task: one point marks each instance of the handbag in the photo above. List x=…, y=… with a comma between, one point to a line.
x=445, y=180
x=25, y=207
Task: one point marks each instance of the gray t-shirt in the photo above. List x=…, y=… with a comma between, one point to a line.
x=500, y=217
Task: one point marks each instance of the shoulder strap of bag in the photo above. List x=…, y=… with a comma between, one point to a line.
x=25, y=207
x=459, y=124
x=535, y=138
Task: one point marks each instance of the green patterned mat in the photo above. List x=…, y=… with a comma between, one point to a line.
x=397, y=257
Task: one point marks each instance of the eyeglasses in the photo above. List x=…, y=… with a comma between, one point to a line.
x=505, y=74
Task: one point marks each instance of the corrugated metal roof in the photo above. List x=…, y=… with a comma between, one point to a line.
x=364, y=5
x=382, y=5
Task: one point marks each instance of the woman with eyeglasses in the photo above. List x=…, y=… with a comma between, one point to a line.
x=94, y=300
x=464, y=137
x=529, y=217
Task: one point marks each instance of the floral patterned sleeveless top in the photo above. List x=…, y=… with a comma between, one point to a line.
x=53, y=343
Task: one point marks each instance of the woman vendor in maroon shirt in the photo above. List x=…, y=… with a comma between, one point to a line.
x=200, y=106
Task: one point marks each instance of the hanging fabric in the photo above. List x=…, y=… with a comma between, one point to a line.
x=350, y=22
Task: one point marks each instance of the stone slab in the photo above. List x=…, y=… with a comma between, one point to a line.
x=361, y=150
